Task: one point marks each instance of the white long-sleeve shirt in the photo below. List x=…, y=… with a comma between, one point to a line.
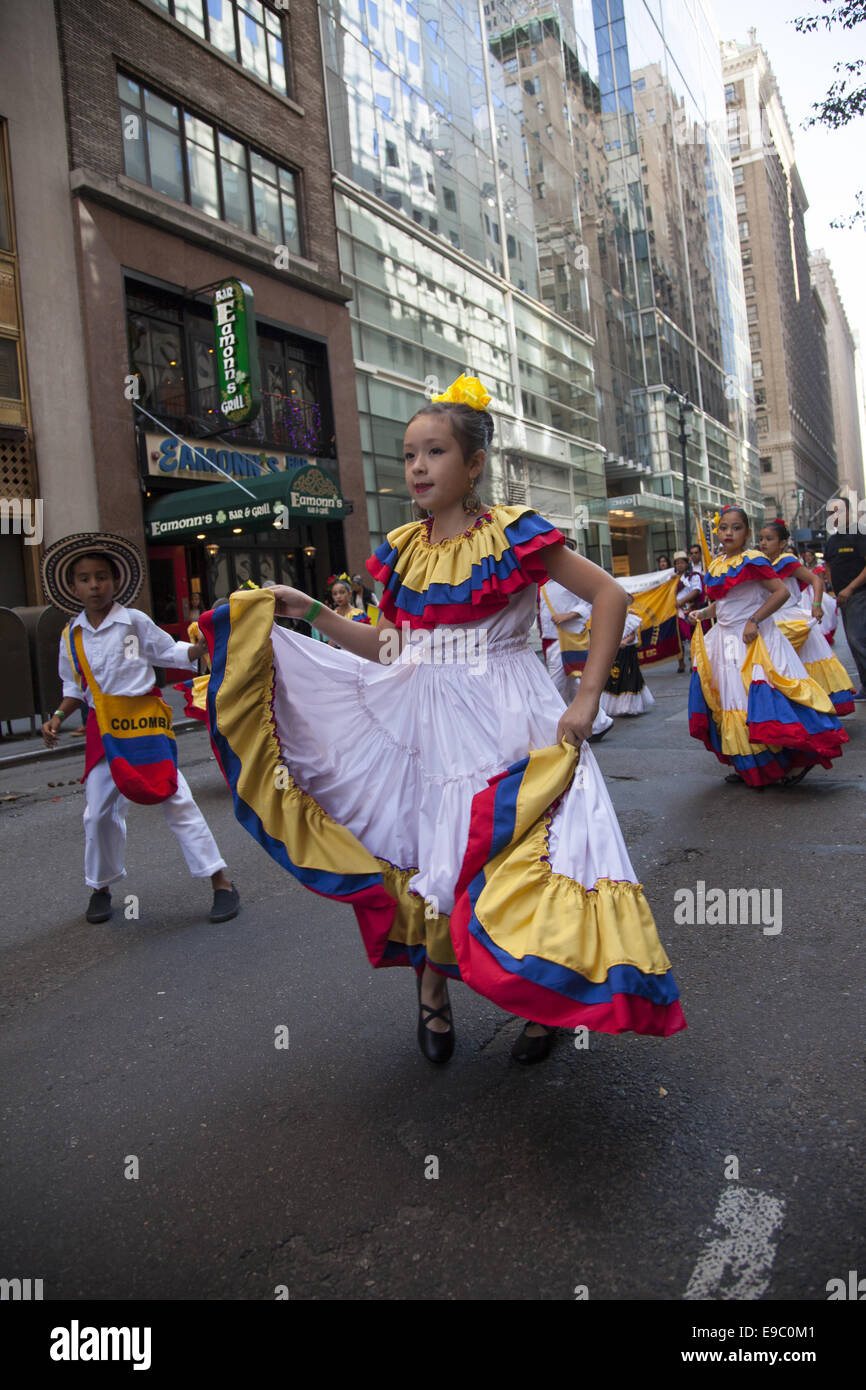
x=691, y=584
x=563, y=601
x=121, y=653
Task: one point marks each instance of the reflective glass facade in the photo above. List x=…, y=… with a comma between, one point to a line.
x=625, y=153
x=438, y=240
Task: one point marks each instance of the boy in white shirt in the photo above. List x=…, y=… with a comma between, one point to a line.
x=120, y=646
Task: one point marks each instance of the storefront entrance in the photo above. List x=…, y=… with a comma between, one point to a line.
x=281, y=529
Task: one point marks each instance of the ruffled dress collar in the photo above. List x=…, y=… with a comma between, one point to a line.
x=464, y=578
x=727, y=571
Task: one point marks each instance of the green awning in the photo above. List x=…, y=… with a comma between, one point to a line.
x=304, y=494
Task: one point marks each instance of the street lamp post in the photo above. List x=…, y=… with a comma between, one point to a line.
x=685, y=409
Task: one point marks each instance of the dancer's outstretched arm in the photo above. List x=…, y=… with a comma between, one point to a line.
x=380, y=643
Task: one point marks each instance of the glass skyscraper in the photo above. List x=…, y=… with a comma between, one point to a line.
x=541, y=193
x=626, y=152
x=438, y=240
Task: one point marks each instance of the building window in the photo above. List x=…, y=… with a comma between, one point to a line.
x=171, y=351
x=746, y=255
x=739, y=175
x=249, y=31
x=766, y=465
x=744, y=229
x=730, y=94
x=749, y=284
x=752, y=313
x=757, y=369
x=755, y=342
x=741, y=202
x=10, y=379
x=195, y=162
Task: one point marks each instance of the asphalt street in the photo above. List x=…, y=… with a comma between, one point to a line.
x=725, y=1162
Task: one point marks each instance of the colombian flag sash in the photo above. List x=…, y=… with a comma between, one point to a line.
x=658, y=638
x=574, y=649
x=136, y=733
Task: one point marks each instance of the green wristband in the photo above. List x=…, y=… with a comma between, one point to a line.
x=59, y=714
x=312, y=612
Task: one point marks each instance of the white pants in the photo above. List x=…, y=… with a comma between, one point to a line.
x=105, y=830
x=568, y=686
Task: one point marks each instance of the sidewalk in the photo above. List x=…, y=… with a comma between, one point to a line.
x=22, y=746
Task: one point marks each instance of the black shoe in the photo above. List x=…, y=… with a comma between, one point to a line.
x=734, y=777
x=99, y=908
x=226, y=902
x=795, y=777
x=437, y=1047
x=528, y=1049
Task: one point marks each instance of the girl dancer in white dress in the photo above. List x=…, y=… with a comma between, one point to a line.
x=463, y=816
x=751, y=700
x=802, y=626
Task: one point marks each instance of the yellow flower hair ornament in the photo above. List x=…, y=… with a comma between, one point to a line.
x=466, y=390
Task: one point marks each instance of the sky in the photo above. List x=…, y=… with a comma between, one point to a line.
x=832, y=164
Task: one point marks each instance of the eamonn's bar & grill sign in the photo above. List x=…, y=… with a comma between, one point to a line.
x=237, y=358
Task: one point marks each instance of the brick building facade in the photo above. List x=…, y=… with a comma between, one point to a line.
x=196, y=150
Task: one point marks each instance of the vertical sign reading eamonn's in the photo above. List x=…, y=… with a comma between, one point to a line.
x=236, y=352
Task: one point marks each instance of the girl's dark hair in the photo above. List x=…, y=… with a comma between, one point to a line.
x=97, y=555
x=473, y=428
x=743, y=513
x=781, y=530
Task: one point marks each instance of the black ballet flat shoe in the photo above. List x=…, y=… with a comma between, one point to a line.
x=795, y=777
x=734, y=777
x=529, y=1050
x=99, y=908
x=437, y=1047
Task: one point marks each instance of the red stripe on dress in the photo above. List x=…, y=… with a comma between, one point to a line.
x=827, y=744
x=622, y=1013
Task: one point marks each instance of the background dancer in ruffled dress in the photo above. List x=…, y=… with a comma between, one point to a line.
x=802, y=626
x=751, y=701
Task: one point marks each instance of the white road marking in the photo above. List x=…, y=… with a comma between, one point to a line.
x=740, y=1264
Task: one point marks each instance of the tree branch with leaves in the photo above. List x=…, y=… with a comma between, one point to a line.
x=845, y=100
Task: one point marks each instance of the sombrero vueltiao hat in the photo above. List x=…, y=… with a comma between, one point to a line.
x=59, y=558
